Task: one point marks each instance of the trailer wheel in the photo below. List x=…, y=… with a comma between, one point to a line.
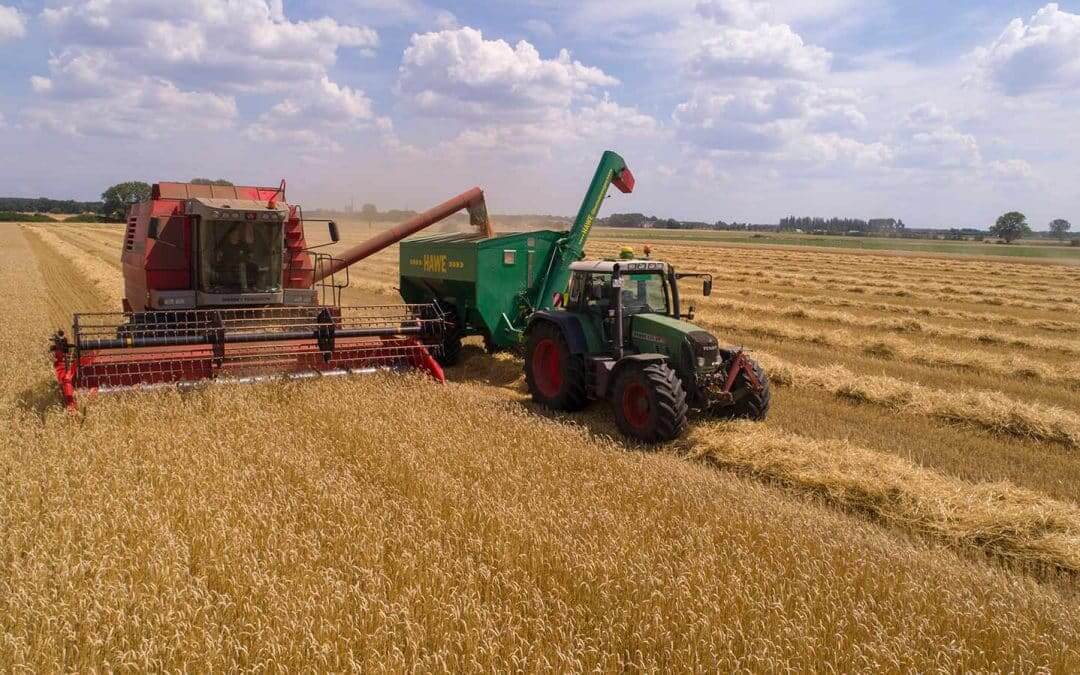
x=555, y=376
x=650, y=403
x=450, y=354
x=749, y=404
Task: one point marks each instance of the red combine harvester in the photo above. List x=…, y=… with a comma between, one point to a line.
x=220, y=283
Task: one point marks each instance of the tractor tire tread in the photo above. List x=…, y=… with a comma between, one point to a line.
x=670, y=403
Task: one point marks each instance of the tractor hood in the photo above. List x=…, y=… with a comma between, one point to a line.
x=655, y=323
x=669, y=336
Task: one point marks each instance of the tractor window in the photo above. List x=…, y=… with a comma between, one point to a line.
x=597, y=293
x=575, y=292
x=643, y=293
x=240, y=256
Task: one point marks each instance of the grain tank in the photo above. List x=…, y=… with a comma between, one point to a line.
x=490, y=285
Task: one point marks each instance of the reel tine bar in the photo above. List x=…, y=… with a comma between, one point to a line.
x=120, y=350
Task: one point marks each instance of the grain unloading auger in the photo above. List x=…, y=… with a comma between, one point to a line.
x=221, y=284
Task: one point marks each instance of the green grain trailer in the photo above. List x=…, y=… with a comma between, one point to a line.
x=478, y=281
x=491, y=285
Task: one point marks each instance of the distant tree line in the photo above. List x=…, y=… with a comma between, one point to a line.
x=842, y=225
x=640, y=220
x=113, y=205
x=43, y=205
x=15, y=217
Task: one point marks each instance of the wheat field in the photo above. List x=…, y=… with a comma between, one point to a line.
x=912, y=503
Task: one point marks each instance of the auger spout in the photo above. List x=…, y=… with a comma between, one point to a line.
x=473, y=200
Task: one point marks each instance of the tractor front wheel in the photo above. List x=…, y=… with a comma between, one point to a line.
x=650, y=403
x=555, y=376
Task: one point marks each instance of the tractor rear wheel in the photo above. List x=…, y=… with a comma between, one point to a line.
x=750, y=404
x=650, y=403
x=556, y=377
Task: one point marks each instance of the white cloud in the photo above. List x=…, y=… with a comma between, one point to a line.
x=458, y=72
x=510, y=99
x=632, y=20
x=143, y=68
x=242, y=44
x=395, y=13
x=944, y=148
x=735, y=12
x=152, y=109
x=1042, y=55
x=764, y=116
x=1011, y=169
x=315, y=117
x=833, y=148
x=599, y=122
x=12, y=23
x=40, y=84
x=927, y=139
x=767, y=51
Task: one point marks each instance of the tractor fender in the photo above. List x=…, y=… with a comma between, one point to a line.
x=570, y=326
x=606, y=379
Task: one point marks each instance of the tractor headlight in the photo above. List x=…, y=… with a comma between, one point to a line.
x=704, y=349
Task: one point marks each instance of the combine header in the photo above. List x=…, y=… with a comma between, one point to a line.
x=220, y=283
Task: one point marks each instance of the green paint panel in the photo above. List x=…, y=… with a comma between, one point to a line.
x=482, y=279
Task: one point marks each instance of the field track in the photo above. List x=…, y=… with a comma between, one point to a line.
x=413, y=506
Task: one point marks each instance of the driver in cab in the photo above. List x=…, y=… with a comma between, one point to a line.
x=233, y=260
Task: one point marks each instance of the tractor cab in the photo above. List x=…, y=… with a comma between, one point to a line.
x=604, y=290
x=643, y=287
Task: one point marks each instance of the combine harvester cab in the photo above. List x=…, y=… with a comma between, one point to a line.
x=221, y=285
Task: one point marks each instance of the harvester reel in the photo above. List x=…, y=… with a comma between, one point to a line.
x=216, y=337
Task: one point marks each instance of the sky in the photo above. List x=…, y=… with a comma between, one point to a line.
x=940, y=113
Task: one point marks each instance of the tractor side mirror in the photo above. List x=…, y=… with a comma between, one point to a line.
x=152, y=228
x=706, y=288
x=335, y=236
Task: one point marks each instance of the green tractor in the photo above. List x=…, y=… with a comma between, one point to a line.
x=591, y=330
x=620, y=334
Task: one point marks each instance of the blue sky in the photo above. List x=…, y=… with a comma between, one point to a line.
x=940, y=113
